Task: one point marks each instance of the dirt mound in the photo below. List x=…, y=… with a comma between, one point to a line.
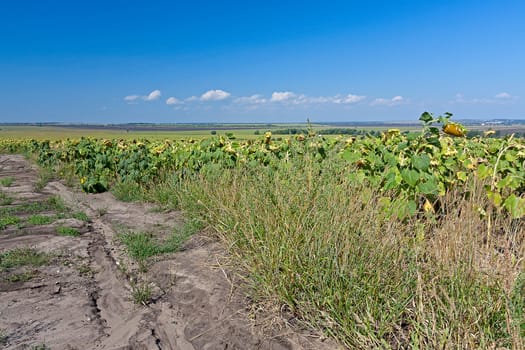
x=76, y=286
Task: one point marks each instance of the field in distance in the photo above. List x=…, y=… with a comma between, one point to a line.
x=59, y=131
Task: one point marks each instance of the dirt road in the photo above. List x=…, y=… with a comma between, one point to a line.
x=67, y=282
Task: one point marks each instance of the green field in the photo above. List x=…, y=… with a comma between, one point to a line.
x=160, y=132
x=386, y=241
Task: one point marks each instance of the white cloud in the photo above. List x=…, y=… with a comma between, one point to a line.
x=504, y=96
x=499, y=98
x=215, y=95
x=131, y=98
x=191, y=99
x=293, y=98
x=282, y=96
x=154, y=95
x=348, y=99
x=397, y=99
x=173, y=101
x=252, y=100
x=394, y=101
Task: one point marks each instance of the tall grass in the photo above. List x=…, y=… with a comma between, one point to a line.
x=309, y=238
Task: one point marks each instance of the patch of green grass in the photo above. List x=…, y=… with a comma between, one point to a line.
x=3, y=337
x=67, y=231
x=39, y=220
x=40, y=347
x=85, y=269
x=8, y=220
x=517, y=304
x=56, y=203
x=44, y=176
x=80, y=216
x=141, y=294
x=5, y=199
x=21, y=277
x=128, y=191
x=22, y=257
x=7, y=181
x=141, y=245
x=53, y=203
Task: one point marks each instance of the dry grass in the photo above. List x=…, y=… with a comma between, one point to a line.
x=308, y=238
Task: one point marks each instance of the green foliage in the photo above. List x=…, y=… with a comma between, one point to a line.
x=141, y=245
x=7, y=181
x=3, y=337
x=80, y=216
x=401, y=240
x=8, y=220
x=419, y=167
x=44, y=176
x=39, y=220
x=5, y=199
x=67, y=231
x=312, y=238
x=21, y=277
x=22, y=257
x=141, y=294
x=40, y=347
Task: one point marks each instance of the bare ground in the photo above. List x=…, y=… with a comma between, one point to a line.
x=82, y=297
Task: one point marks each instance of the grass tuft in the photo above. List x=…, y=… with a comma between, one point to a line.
x=21, y=277
x=22, y=257
x=44, y=176
x=39, y=220
x=141, y=245
x=7, y=181
x=141, y=294
x=8, y=220
x=5, y=199
x=67, y=231
x=81, y=216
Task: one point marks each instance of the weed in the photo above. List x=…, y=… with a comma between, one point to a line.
x=8, y=220
x=128, y=191
x=56, y=203
x=141, y=294
x=80, y=216
x=21, y=277
x=39, y=220
x=85, y=269
x=141, y=245
x=67, y=231
x=5, y=199
x=22, y=257
x=53, y=203
x=517, y=305
x=44, y=176
x=7, y=181
x=102, y=211
x=3, y=337
x=40, y=347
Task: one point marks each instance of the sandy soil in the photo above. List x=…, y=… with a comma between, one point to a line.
x=81, y=298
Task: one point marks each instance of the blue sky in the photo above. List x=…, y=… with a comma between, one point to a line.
x=241, y=61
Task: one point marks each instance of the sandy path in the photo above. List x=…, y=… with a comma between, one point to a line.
x=195, y=305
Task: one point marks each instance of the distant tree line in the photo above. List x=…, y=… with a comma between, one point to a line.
x=496, y=134
x=332, y=131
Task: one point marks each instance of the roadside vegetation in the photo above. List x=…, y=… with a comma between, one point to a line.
x=403, y=240
x=22, y=257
